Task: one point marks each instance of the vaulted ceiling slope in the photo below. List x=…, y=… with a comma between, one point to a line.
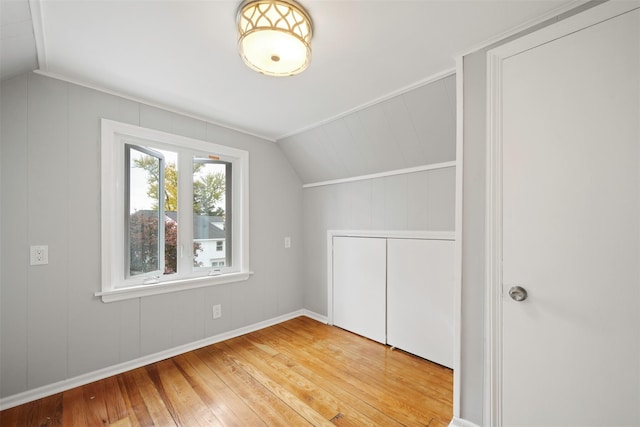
x=17, y=42
x=182, y=54
x=413, y=129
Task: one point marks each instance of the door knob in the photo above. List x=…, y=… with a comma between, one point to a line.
x=518, y=293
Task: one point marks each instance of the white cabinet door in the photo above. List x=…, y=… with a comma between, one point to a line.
x=420, y=298
x=359, y=282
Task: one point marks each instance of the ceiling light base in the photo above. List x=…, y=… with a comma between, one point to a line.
x=275, y=36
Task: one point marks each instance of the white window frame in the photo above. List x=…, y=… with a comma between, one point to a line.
x=115, y=286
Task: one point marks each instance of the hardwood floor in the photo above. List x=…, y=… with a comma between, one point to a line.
x=300, y=372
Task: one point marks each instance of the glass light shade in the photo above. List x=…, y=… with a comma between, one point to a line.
x=275, y=36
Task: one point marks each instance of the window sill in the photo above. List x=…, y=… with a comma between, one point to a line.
x=120, y=294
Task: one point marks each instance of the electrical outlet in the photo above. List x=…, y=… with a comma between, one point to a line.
x=39, y=255
x=217, y=311
x=287, y=242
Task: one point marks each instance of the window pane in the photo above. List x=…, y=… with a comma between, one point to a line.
x=153, y=199
x=211, y=216
x=144, y=214
x=171, y=212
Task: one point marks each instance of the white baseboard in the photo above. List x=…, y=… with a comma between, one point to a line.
x=314, y=316
x=459, y=422
x=80, y=380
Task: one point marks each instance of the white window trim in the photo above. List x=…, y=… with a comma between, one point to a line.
x=112, y=218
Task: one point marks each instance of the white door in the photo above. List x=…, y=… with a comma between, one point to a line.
x=571, y=226
x=420, y=298
x=359, y=285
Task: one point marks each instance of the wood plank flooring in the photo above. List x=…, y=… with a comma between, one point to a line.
x=297, y=373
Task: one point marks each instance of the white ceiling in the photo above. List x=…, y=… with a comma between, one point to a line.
x=182, y=55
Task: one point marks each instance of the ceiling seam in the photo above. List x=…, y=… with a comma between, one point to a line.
x=526, y=26
x=38, y=33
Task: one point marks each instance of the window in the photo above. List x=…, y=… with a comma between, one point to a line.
x=171, y=205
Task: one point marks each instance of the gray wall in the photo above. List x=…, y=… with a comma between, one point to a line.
x=412, y=129
x=52, y=327
x=417, y=201
x=473, y=239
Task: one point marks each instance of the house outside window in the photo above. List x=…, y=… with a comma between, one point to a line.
x=170, y=205
x=210, y=235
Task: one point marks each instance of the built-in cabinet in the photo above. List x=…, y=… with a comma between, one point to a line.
x=397, y=291
x=359, y=286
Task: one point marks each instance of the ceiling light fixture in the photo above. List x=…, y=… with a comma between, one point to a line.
x=275, y=36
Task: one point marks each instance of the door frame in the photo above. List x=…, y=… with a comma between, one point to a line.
x=493, y=261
